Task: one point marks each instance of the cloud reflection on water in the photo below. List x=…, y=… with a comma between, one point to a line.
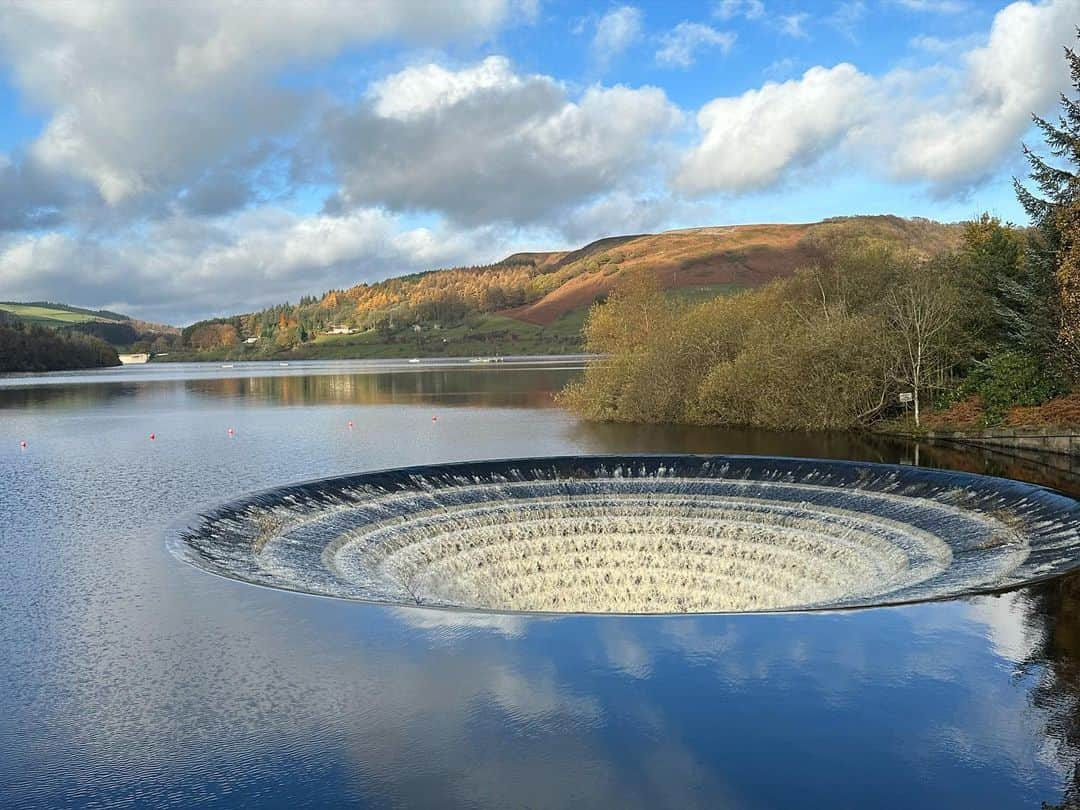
x=131, y=678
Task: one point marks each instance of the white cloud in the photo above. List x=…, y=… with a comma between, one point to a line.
x=679, y=46
x=749, y=141
x=958, y=139
x=948, y=126
x=142, y=95
x=428, y=89
x=750, y=9
x=484, y=144
x=189, y=268
x=615, y=32
x=629, y=212
x=791, y=25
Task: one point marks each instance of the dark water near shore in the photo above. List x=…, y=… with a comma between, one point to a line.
x=127, y=678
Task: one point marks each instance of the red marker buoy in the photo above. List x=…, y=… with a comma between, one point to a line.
x=22, y=444
x=434, y=419
x=152, y=437
x=232, y=432
x=350, y=424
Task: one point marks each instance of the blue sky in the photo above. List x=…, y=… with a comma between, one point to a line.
x=184, y=160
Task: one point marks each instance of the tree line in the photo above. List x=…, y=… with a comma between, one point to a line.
x=843, y=342
x=24, y=347
x=446, y=297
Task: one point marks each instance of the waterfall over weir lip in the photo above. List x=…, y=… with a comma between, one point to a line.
x=654, y=534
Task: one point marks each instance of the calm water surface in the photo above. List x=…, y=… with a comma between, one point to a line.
x=128, y=678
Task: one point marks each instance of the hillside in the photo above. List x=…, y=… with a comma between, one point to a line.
x=722, y=258
x=119, y=331
x=30, y=347
x=535, y=302
x=45, y=313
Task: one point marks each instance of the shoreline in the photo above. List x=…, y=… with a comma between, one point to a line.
x=1041, y=444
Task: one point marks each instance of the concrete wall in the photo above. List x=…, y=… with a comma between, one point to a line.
x=1052, y=448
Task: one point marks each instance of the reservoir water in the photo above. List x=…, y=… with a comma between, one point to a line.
x=128, y=678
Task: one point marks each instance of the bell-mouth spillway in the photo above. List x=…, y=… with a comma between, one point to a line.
x=642, y=535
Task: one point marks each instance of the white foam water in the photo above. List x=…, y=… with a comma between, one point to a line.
x=642, y=534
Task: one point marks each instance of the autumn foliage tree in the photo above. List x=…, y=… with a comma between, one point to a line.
x=213, y=335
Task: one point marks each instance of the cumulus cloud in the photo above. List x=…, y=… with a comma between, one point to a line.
x=679, y=46
x=485, y=144
x=749, y=141
x=615, y=32
x=958, y=139
x=142, y=95
x=629, y=212
x=948, y=126
x=190, y=267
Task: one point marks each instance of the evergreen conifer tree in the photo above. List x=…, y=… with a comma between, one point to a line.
x=1050, y=293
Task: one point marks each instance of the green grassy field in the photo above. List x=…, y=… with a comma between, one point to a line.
x=53, y=316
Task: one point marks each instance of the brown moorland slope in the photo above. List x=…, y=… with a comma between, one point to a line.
x=541, y=288
x=740, y=256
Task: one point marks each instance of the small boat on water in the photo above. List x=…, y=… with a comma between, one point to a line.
x=415, y=360
x=134, y=359
x=227, y=365
x=283, y=364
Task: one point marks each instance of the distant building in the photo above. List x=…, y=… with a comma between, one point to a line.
x=251, y=340
x=340, y=329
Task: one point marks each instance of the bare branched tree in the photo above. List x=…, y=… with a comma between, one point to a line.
x=922, y=315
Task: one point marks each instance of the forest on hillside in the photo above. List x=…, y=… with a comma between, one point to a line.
x=26, y=347
x=867, y=332
x=444, y=297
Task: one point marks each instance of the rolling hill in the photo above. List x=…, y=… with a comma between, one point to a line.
x=720, y=258
x=45, y=313
x=119, y=331
x=535, y=302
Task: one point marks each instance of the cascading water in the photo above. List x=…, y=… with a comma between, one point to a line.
x=642, y=534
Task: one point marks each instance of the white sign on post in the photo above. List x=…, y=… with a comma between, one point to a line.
x=905, y=398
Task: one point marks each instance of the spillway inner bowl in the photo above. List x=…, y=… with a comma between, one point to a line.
x=641, y=534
